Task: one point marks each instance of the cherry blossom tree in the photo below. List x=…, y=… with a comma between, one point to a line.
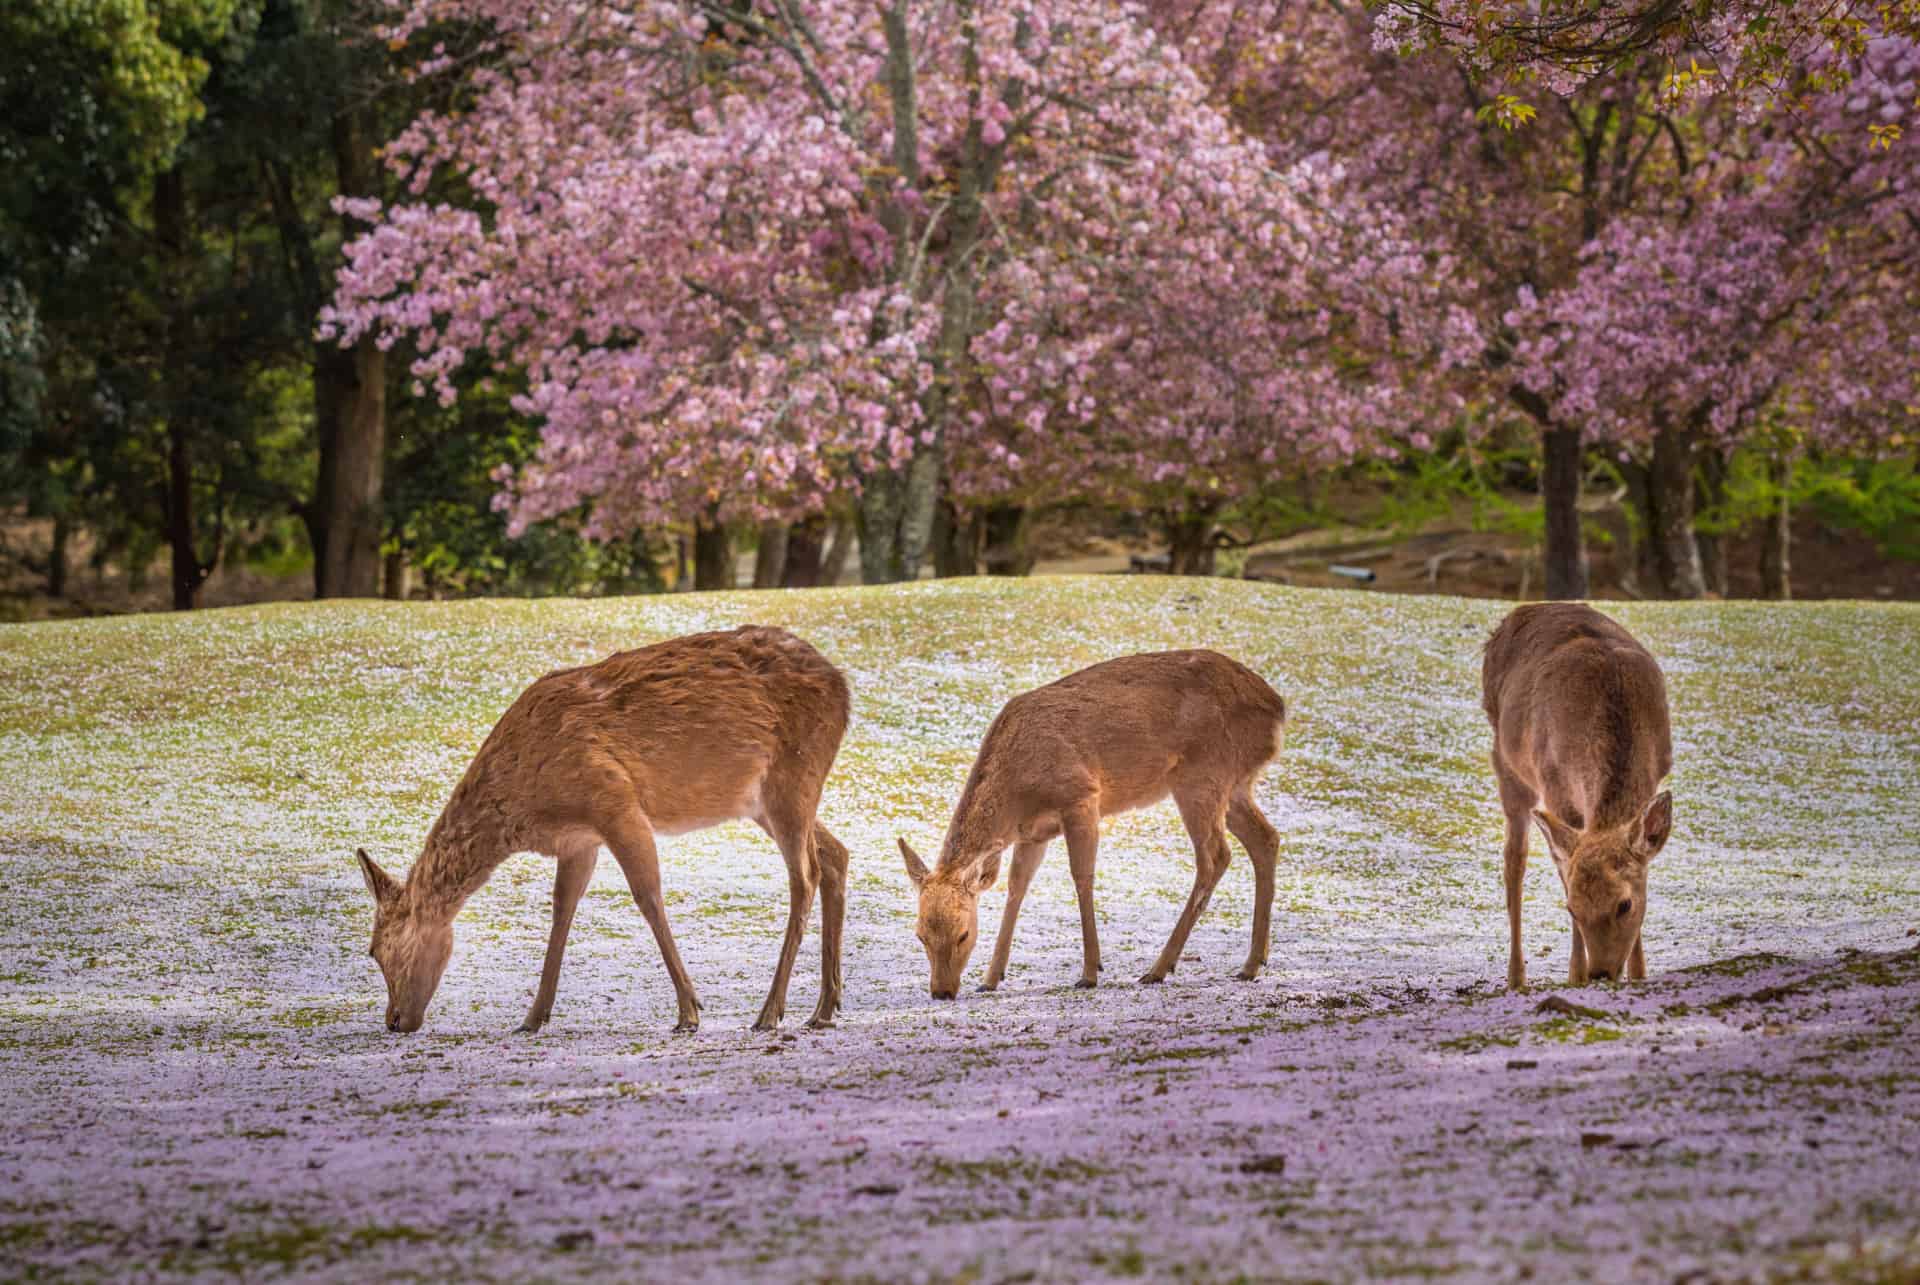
x=743, y=255
x=1771, y=290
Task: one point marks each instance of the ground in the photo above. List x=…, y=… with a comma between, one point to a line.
x=194, y=1079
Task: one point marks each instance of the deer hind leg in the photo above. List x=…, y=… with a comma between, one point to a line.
x=1262, y=842
x=1516, y=801
x=573, y=871
x=1026, y=860
x=792, y=828
x=831, y=855
x=1082, y=830
x=1205, y=820
x=630, y=839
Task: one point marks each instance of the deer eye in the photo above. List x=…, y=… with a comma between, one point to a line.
x=1624, y=909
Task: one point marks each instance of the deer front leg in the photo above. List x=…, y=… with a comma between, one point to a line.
x=1515, y=862
x=630, y=839
x=1026, y=860
x=831, y=855
x=573, y=872
x=1577, y=963
x=1204, y=819
x=795, y=837
x=1637, y=963
x=1262, y=842
x=1083, y=844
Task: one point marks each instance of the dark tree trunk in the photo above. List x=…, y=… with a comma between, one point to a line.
x=57, y=557
x=1710, y=484
x=1676, y=552
x=833, y=564
x=956, y=541
x=712, y=557
x=1776, y=545
x=806, y=541
x=1565, y=557
x=393, y=580
x=1190, y=543
x=354, y=467
x=770, y=556
x=189, y=573
x=1005, y=529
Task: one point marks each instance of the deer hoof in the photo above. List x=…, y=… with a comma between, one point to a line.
x=531, y=1025
x=686, y=1026
x=1153, y=979
x=1249, y=973
x=987, y=988
x=1085, y=984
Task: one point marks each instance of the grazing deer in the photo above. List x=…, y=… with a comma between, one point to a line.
x=1580, y=746
x=674, y=737
x=1117, y=736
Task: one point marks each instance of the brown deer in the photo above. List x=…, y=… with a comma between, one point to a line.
x=1117, y=736
x=1580, y=746
x=674, y=737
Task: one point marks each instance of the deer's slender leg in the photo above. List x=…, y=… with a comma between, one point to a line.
x=791, y=828
x=1516, y=802
x=572, y=872
x=1262, y=842
x=1082, y=831
x=1205, y=821
x=831, y=856
x=630, y=839
x=1514, y=868
x=1637, y=963
x=1026, y=860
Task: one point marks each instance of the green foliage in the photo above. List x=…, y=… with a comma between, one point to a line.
x=1422, y=487
x=1880, y=498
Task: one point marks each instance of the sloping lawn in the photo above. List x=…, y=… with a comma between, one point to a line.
x=194, y=1078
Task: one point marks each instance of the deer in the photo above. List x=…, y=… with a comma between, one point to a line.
x=1116, y=736
x=1581, y=745
x=678, y=736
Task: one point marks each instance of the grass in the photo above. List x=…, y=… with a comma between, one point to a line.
x=189, y=1025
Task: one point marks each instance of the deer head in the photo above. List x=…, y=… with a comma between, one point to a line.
x=1605, y=875
x=411, y=951
x=949, y=921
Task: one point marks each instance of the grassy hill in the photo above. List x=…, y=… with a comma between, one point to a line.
x=193, y=1075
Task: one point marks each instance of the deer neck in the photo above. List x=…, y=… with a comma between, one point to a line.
x=464, y=847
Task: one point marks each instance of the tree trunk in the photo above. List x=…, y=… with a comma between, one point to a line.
x=1190, y=545
x=770, y=557
x=833, y=563
x=956, y=542
x=806, y=541
x=1776, y=545
x=189, y=573
x=1564, y=558
x=393, y=581
x=1710, y=485
x=350, y=398
x=354, y=467
x=57, y=556
x=1676, y=553
x=712, y=556
x=1005, y=529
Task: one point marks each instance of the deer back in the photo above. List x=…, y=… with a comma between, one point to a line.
x=1579, y=710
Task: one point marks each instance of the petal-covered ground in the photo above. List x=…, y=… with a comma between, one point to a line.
x=194, y=1079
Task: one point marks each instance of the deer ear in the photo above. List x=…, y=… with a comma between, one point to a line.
x=916, y=868
x=1561, y=837
x=1656, y=823
x=379, y=882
